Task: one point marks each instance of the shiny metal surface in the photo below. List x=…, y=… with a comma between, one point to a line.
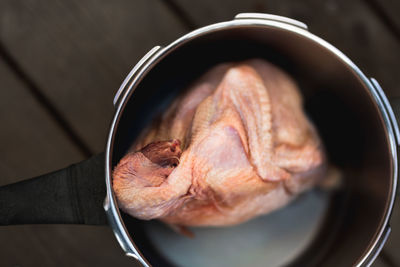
x=375, y=253
x=380, y=99
x=126, y=83
x=248, y=21
x=388, y=109
x=271, y=17
x=116, y=223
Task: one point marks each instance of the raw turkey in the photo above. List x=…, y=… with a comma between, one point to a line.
x=236, y=145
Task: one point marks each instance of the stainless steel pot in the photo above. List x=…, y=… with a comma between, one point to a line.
x=351, y=112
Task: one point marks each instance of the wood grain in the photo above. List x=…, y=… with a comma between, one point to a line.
x=388, y=11
x=392, y=8
x=393, y=243
x=31, y=142
x=78, y=52
x=61, y=245
x=379, y=263
x=31, y=145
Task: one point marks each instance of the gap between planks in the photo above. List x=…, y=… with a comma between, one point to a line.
x=37, y=94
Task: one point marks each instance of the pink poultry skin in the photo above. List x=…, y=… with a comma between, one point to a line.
x=236, y=145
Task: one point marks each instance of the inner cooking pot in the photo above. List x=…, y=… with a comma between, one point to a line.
x=347, y=109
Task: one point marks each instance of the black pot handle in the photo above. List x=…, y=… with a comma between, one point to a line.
x=73, y=195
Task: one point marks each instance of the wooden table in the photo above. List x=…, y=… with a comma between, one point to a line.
x=62, y=61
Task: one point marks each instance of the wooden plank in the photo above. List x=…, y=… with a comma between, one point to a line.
x=393, y=243
x=79, y=52
x=31, y=145
x=348, y=25
x=379, y=263
x=61, y=245
x=392, y=9
x=388, y=11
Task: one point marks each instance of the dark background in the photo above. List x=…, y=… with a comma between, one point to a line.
x=62, y=61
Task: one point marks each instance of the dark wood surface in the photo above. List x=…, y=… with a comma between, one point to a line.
x=62, y=61
x=78, y=52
